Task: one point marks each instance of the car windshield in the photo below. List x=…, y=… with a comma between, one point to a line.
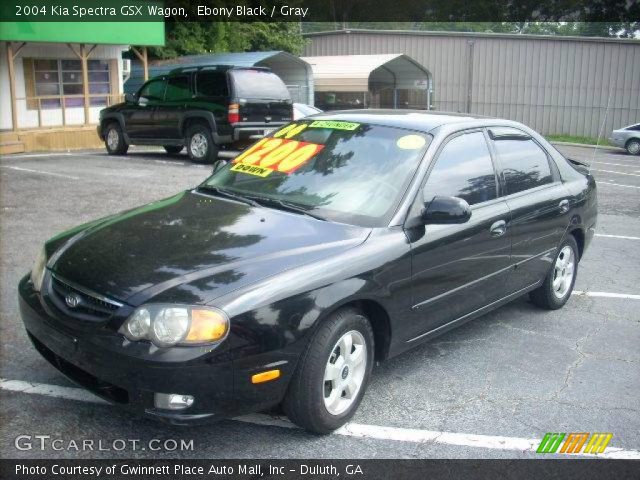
x=342, y=171
x=251, y=83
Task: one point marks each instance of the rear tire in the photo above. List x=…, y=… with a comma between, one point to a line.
x=332, y=374
x=558, y=284
x=173, y=149
x=633, y=146
x=114, y=140
x=200, y=144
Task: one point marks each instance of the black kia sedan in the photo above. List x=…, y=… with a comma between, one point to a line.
x=339, y=240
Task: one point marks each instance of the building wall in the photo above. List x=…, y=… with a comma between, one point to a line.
x=28, y=118
x=554, y=85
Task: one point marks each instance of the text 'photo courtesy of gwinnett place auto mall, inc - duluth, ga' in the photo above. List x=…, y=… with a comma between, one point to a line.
x=319, y=239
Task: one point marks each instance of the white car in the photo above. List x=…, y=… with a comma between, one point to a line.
x=301, y=110
x=627, y=138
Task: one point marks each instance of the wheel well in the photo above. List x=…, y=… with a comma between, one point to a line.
x=631, y=140
x=380, y=323
x=578, y=234
x=193, y=121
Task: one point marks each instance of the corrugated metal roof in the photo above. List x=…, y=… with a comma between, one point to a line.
x=352, y=72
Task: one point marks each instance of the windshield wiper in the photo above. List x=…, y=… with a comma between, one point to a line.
x=283, y=205
x=228, y=194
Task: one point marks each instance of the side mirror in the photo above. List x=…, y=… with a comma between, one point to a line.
x=130, y=98
x=218, y=164
x=446, y=210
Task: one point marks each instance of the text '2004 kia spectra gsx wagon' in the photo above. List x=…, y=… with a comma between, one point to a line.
x=339, y=240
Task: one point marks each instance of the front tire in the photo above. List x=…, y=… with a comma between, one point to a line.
x=633, y=146
x=558, y=284
x=114, y=140
x=332, y=374
x=200, y=144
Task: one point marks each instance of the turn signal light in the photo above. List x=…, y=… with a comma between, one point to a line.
x=233, y=114
x=265, y=376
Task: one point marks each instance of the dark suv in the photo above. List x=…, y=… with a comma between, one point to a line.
x=204, y=108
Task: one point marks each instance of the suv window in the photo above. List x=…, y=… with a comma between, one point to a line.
x=178, y=88
x=212, y=84
x=463, y=169
x=250, y=83
x=153, y=90
x=524, y=164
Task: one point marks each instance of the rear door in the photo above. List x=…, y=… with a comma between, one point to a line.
x=262, y=96
x=168, y=114
x=139, y=116
x=538, y=201
x=458, y=269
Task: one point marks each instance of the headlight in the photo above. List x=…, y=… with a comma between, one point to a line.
x=167, y=325
x=37, y=272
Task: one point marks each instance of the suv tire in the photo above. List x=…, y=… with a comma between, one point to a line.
x=558, y=284
x=325, y=372
x=200, y=145
x=114, y=140
x=173, y=149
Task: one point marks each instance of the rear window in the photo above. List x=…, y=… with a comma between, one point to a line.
x=259, y=84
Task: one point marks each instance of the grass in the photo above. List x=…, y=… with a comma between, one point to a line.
x=572, y=139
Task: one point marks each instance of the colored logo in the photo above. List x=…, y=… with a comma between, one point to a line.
x=574, y=443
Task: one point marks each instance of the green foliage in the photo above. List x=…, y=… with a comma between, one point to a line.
x=200, y=37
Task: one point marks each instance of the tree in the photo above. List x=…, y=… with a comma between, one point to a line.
x=212, y=37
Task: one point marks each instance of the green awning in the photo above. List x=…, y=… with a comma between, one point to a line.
x=112, y=33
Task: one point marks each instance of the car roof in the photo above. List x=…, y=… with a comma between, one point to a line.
x=412, y=119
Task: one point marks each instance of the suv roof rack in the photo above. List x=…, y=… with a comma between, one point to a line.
x=223, y=68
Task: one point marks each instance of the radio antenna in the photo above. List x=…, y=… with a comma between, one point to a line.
x=604, y=120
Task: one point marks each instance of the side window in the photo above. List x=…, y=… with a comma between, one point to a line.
x=178, y=88
x=524, y=163
x=153, y=90
x=463, y=169
x=212, y=84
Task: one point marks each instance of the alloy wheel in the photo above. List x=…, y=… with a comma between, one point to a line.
x=113, y=138
x=198, y=145
x=344, y=373
x=563, y=272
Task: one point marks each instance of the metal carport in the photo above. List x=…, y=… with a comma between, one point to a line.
x=293, y=71
x=371, y=80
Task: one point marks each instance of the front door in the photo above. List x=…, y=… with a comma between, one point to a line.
x=457, y=269
x=138, y=117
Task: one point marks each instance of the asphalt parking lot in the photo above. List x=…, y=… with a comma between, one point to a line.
x=486, y=390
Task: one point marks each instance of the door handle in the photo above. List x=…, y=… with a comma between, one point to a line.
x=498, y=228
x=564, y=206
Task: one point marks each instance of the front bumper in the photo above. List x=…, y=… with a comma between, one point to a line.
x=97, y=362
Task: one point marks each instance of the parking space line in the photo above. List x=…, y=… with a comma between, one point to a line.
x=40, y=172
x=616, y=172
x=356, y=430
x=605, y=295
x=600, y=182
x=628, y=165
x=625, y=237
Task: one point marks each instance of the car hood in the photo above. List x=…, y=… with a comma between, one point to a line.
x=193, y=247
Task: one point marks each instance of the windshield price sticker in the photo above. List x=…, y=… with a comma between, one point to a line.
x=334, y=125
x=275, y=155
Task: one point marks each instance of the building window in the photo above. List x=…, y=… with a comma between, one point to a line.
x=55, y=78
